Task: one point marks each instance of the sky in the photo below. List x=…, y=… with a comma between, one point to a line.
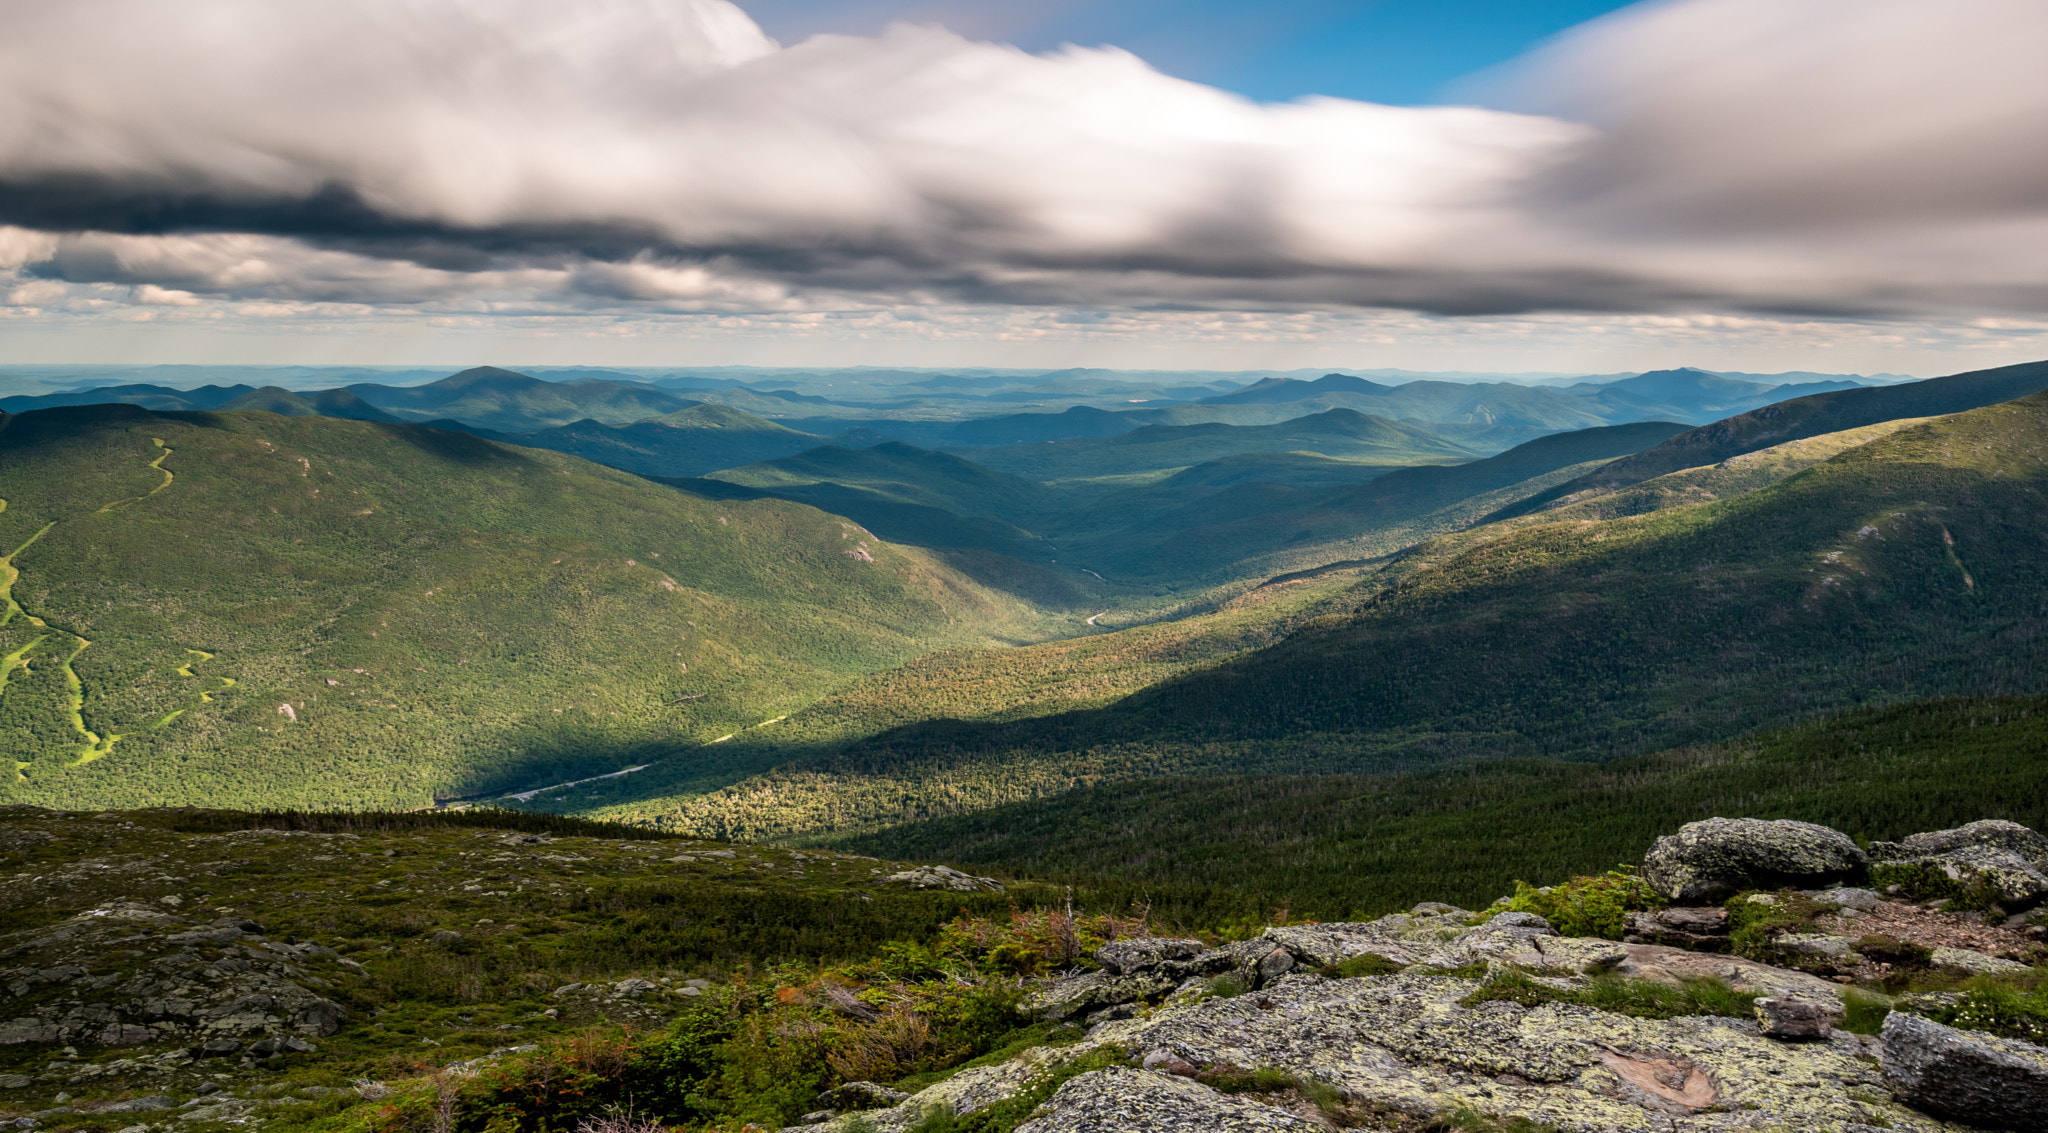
x=1845, y=185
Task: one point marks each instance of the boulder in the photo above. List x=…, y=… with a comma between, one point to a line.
x=1966, y=1075
x=860, y=1095
x=1089, y=992
x=1796, y=1019
x=1710, y=859
x=1995, y=833
x=1697, y=929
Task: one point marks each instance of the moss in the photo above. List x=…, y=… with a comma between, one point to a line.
x=1863, y=1012
x=2000, y=1009
x=1753, y=926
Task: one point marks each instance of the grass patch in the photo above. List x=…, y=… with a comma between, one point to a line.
x=1644, y=999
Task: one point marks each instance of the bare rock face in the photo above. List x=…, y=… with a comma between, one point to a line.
x=1966, y=1075
x=1711, y=859
x=1995, y=833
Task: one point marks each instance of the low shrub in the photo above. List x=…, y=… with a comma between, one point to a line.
x=1927, y=881
x=1587, y=906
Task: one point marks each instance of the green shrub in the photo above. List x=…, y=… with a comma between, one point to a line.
x=1366, y=965
x=1587, y=906
x=2000, y=1010
x=1754, y=925
x=1926, y=881
x=1863, y=1013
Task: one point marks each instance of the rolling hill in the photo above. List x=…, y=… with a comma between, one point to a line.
x=1158, y=448
x=1803, y=417
x=491, y=398
x=243, y=606
x=321, y=403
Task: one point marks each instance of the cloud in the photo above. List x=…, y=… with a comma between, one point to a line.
x=1832, y=156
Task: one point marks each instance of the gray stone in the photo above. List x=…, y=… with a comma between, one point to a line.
x=1964, y=960
x=941, y=877
x=1121, y=1100
x=1698, y=929
x=1131, y=954
x=1795, y=1019
x=15, y=1081
x=446, y=938
x=1966, y=1075
x=635, y=986
x=816, y=1116
x=1844, y=897
x=1093, y=991
x=1817, y=944
x=1995, y=833
x=860, y=1095
x=1710, y=859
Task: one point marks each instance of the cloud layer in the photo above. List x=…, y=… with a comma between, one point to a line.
x=1764, y=155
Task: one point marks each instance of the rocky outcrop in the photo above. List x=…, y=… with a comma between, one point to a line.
x=2002, y=859
x=1408, y=1044
x=129, y=974
x=940, y=877
x=1967, y=1075
x=1120, y=1100
x=1711, y=859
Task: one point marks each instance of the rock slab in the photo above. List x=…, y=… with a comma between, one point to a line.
x=1966, y=1075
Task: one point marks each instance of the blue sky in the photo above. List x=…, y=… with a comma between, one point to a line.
x=1401, y=52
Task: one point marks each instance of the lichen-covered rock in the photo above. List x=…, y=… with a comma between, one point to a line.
x=217, y=988
x=1118, y=1100
x=941, y=877
x=1995, y=833
x=2010, y=877
x=1077, y=995
x=1965, y=960
x=965, y=1093
x=1967, y=1075
x=1405, y=1043
x=1178, y=958
x=1709, y=859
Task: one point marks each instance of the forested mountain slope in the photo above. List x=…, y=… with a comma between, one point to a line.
x=1805, y=417
x=248, y=607
x=1907, y=567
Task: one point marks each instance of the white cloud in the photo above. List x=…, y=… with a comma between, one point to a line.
x=530, y=155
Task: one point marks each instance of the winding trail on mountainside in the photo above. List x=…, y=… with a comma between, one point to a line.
x=93, y=744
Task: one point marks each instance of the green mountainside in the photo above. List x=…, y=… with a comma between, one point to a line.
x=321, y=403
x=1905, y=567
x=1805, y=417
x=1326, y=845
x=491, y=398
x=687, y=442
x=248, y=607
